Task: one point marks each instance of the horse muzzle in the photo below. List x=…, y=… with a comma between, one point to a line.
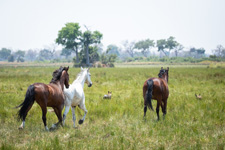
x=90, y=85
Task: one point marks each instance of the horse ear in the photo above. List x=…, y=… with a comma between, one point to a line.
x=168, y=68
x=88, y=69
x=161, y=68
x=67, y=68
x=81, y=68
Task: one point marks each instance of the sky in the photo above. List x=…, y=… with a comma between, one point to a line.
x=34, y=24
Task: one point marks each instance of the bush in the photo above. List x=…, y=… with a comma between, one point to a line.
x=111, y=65
x=129, y=59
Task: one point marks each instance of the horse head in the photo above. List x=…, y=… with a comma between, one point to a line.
x=65, y=76
x=88, y=76
x=164, y=73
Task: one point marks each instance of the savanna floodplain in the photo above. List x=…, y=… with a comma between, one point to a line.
x=117, y=123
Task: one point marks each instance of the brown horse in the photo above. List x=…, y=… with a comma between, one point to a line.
x=157, y=89
x=50, y=95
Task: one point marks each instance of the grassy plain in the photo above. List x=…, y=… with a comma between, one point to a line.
x=118, y=123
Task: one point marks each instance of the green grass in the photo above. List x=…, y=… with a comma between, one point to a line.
x=118, y=123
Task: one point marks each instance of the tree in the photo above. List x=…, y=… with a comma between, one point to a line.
x=166, y=45
x=104, y=58
x=19, y=55
x=113, y=49
x=31, y=55
x=45, y=54
x=89, y=38
x=108, y=60
x=11, y=58
x=161, y=44
x=219, y=51
x=197, y=53
x=129, y=47
x=200, y=51
x=145, y=46
x=69, y=36
x=93, y=56
x=5, y=53
x=178, y=48
x=171, y=43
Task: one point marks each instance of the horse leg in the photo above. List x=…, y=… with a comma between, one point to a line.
x=44, y=112
x=67, y=108
x=74, y=116
x=145, y=106
x=58, y=112
x=85, y=113
x=157, y=108
x=165, y=106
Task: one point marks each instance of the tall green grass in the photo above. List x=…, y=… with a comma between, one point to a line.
x=118, y=123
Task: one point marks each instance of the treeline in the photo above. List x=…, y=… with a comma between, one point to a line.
x=85, y=49
x=32, y=55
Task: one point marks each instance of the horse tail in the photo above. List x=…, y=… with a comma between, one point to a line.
x=27, y=103
x=149, y=93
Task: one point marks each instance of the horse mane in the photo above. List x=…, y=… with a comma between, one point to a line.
x=161, y=72
x=56, y=75
x=79, y=74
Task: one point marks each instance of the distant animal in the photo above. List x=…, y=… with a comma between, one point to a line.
x=108, y=96
x=75, y=95
x=198, y=96
x=46, y=95
x=157, y=89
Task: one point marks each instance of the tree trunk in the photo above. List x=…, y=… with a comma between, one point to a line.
x=77, y=57
x=87, y=56
x=164, y=52
x=176, y=53
x=145, y=52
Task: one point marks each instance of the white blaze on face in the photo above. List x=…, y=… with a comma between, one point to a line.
x=89, y=78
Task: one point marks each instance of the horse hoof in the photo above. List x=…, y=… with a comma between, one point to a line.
x=81, y=121
x=51, y=129
x=46, y=129
x=54, y=126
x=20, y=128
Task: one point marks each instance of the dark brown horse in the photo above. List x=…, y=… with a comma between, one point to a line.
x=157, y=89
x=46, y=95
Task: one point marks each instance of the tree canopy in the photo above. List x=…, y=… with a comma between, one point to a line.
x=145, y=46
x=69, y=36
x=161, y=44
x=166, y=45
x=113, y=49
x=5, y=53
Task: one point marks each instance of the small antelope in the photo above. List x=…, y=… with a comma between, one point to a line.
x=198, y=96
x=108, y=96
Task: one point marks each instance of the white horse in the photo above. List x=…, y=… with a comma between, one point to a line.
x=75, y=95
